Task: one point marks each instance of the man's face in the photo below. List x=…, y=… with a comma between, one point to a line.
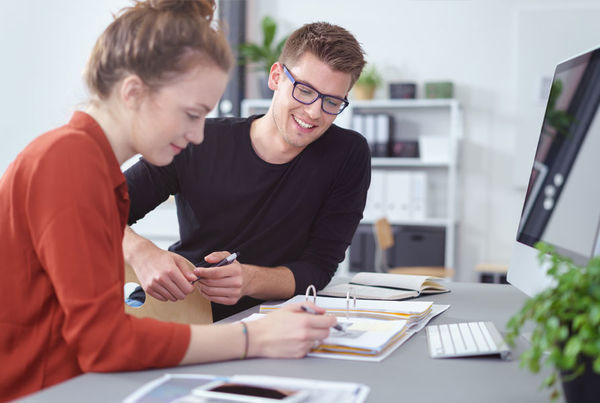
x=299, y=124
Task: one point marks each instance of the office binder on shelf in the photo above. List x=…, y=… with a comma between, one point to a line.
x=398, y=197
x=418, y=193
x=370, y=128
x=374, y=207
x=386, y=286
x=382, y=135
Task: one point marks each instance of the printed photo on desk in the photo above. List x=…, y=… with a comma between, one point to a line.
x=386, y=286
x=182, y=388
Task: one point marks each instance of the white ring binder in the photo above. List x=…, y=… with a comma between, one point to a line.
x=314, y=293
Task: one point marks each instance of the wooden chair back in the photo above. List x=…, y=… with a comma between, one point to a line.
x=384, y=238
x=193, y=309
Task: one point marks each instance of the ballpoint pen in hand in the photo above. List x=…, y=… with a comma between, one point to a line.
x=308, y=309
x=228, y=260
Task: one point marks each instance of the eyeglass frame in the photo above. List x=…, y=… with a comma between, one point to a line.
x=319, y=94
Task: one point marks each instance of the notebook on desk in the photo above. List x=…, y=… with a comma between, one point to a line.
x=386, y=286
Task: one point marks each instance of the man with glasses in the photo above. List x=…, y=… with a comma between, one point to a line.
x=286, y=190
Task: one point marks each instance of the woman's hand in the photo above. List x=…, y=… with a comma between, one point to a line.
x=288, y=332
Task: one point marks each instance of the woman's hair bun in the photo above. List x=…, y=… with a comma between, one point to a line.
x=204, y=8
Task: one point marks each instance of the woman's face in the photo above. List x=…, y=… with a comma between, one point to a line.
x=173, y=116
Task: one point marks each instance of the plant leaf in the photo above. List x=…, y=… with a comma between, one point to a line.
x=269, y=26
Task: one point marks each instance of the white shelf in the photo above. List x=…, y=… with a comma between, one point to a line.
x=428, y=222
x=403, y=103
x=398, y=162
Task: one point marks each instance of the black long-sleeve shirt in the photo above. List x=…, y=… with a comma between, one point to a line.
x=301, y=214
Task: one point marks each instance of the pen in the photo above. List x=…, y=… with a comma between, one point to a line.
x=223, y=262
x=308, y=309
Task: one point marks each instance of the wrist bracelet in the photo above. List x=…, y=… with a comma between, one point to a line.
x=245, y=331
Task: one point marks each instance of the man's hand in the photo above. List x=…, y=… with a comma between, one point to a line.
x=224, y=284
x=164, y=275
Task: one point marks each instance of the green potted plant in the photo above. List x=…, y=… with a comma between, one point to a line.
x=264, y=54
x=367, y=83
x=566, y=334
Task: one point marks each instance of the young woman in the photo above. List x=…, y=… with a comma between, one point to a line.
x=153, y=75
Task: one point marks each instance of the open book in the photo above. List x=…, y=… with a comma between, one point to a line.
x=386, y=286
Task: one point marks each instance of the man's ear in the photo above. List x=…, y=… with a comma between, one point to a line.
x=132, y=91
x=275, y=76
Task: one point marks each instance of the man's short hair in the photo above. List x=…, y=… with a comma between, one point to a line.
x=331, y=44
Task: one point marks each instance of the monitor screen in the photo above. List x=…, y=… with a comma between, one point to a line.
x=562, y=201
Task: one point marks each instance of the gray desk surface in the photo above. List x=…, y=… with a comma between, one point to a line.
x=407, y=375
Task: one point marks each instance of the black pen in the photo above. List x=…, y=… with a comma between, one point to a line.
x=228, y=260
x=308, y=309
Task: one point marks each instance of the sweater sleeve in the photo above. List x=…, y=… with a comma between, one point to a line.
x=149, y=186
x=77, y=235
x=336, y=222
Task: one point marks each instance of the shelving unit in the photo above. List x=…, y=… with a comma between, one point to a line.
x=416, y=120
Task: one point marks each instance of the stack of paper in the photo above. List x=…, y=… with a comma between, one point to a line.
x=363, y=336
x=411, y=311
x=367, y=339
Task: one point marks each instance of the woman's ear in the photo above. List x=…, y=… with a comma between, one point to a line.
x=132, y=91
x=275, y=76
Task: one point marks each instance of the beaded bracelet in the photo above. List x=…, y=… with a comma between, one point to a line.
x=245, y=331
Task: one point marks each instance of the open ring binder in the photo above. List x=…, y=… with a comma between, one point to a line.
x=350, y=294
x=314, y=293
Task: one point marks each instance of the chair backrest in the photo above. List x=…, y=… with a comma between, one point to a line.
x=384, y=239
x=384, y=236
x=194, y=309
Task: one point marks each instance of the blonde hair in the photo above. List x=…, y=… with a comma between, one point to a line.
x=331, y=44
x=156, y=40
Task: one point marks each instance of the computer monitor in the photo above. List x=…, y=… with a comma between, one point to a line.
x=562, y=201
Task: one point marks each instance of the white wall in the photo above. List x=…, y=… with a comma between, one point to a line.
x=493, y=50
x=496, y=53
x=44, y=45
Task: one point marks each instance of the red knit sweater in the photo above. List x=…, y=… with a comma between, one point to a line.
x=63, y=209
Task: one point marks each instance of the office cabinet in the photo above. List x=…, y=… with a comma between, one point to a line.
x=413, y=246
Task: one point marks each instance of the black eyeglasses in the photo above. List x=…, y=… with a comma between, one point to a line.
x=305, y=94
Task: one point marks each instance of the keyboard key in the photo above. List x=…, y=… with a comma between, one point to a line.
x=478, y=336
x=435, y=342
x=487, y=335
x=446, y=340
x=470, y=346
x=459, y=344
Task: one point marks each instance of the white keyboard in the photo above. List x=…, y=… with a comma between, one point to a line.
x=466, y=339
